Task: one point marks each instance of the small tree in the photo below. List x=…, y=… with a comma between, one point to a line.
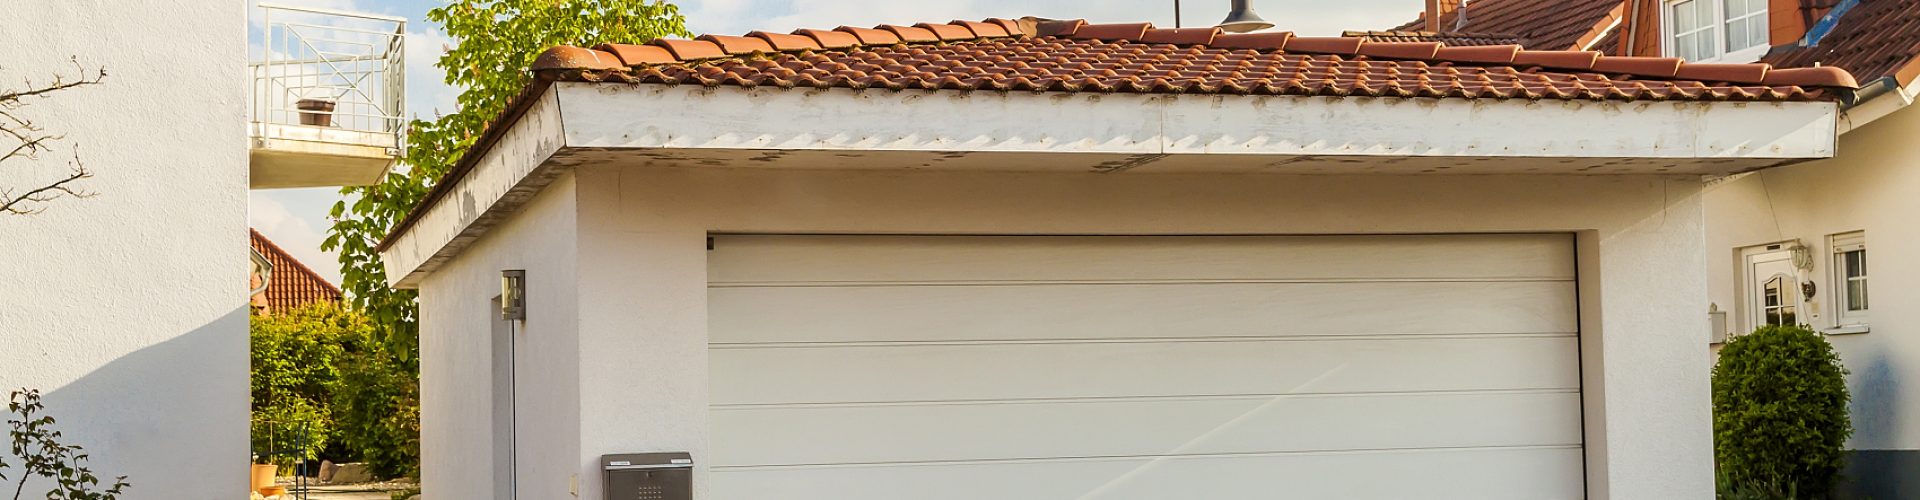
x=1780, y=414
x=36, y=446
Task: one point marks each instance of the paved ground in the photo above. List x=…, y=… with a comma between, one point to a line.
x=377, y=491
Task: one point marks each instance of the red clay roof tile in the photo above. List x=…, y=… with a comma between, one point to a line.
x=1540, y=24
x=1273, y=40
x=1485, y=54
x=1325, y=45
x=1055, y=27
x=985, y=28
x=830, y=39
x=1138, y=58
x=1663, y=67
x=1401, y=50
x=735, y=45
x=1875, y=39
x=1181, y=36
x=564, y=57
x=870, y=36
x=635, y=55
x=948, y=32
x=1129, y=31
x=1730, y=73
x=1014, y=26
x=911, y=34
x=688, y=50
x=1557, y=59
x=1824, y=76
x=1452, y=39
x=785, y=42
x=292, y=283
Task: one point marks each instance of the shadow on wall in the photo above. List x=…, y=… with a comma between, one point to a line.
x=171, y=416
x=1875, y=410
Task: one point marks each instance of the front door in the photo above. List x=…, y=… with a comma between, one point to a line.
x=1771, y=289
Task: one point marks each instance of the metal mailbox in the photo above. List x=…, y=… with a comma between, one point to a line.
x=649, y=476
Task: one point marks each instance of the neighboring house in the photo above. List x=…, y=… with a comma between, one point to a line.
x=127, y=308
x=284, y=283
x=1050, y=259
x=1534, y=24
x=1790, y=245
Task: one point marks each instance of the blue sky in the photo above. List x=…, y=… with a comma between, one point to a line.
x=296, y=219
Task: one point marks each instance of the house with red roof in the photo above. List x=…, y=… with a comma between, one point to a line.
x=1790, y=245
x=1035, y=258
x=281, y=283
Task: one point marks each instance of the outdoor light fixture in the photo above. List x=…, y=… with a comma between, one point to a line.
x=1242, y=19
x=513, y=294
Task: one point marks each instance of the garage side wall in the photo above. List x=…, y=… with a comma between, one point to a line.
x=643, y=315
x=458, y=322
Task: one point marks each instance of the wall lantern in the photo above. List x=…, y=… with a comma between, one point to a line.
x=513, y=295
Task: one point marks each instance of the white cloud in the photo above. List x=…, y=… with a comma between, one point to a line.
x=428, y=94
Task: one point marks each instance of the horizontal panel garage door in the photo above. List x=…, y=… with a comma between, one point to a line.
x=987, y=367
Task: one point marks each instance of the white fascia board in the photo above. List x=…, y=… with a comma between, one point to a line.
x=620, y=116
x=687, y=116
x=508, y=174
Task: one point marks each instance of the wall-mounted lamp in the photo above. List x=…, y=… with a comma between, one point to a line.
x=513, y=294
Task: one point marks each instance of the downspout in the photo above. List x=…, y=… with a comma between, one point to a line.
x=1633, y=28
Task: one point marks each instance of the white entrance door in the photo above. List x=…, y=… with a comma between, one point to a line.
x=1772, y=288
x=1006, y=368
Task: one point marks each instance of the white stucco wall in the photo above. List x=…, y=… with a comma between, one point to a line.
x=129, y=308
x=1871, y=185
x=642, y=311
x=456, y=357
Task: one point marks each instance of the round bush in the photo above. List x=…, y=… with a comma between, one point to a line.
x=1780, y=412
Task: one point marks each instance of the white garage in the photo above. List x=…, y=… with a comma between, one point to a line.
x=1120, y=367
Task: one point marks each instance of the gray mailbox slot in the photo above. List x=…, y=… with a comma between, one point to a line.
x=649, y=476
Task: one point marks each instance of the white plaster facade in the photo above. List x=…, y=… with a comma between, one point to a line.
x=1869, y=186
x=614, y=242
x=129, y=308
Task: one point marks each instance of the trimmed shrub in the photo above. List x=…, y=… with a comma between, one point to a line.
x=294, y=356
x=377, y=410
x=1780, y=420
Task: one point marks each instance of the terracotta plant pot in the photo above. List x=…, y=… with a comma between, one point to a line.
x=315, y=112
x=263, y=475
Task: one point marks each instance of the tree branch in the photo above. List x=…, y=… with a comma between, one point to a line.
x=30, y=142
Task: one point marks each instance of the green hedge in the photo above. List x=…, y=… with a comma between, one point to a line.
x=325, y=368
x=1779, y=414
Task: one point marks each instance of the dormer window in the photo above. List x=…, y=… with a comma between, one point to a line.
x=1732, y=31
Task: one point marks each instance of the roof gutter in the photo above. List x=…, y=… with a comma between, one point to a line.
x=1874, y=101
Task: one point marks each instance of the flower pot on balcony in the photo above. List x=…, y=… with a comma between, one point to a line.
x=315, y=112
x=263, y=475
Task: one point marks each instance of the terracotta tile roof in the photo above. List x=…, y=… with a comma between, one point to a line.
x=1449, y=38
x=1073, y=56
x=1545, y=24
x=1874, y=39
x=293, y=284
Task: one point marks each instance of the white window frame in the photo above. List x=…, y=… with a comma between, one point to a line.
x=1845, y=321
x=1717, y=29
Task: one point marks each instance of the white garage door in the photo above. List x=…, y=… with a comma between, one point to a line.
x=975, y=367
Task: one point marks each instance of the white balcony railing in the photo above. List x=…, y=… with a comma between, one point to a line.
x=328, y=96
x=331, y=69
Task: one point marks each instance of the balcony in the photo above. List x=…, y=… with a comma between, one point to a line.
x=328, y=93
